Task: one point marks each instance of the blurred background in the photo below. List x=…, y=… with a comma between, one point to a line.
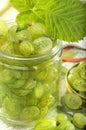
x=6, y=11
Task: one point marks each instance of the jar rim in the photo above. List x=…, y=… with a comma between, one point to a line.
x=24, y=62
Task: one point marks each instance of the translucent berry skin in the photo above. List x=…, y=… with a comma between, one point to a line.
x=26, y=48
x=65, y=125
x=46, y=124
x=79, y=120
x=37, y=30
x=30, y=113
x=39, y=90
x=79, y=85
x=72, y=101
x=61, y=117
x=12, y=107
x=42, y=45
x=23, y=35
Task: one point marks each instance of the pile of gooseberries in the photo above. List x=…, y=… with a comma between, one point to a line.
x=77, y=79
x=28, y=41
x=64, y=121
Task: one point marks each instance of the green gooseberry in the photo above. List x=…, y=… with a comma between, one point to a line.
x=10, y=76
x=16, y=74
x=12, y=34
x=80, y=85
x=21, y=79
x=36, y=30
x=72, y=101
x=79, y=120
x=5, y=76
x=51, y=74
x=39, y=90
x=17, y=84
x=46, y=87
x=42, y=45
x=21, y=100
x=82, y=66
x=31, y=83
x=26, y=48
x=83, y=74
x=13, y=38
x=82, y=69
x=11, y=107
x=65, y=125
x=41, y=74
x=20, y=91
x=23, y=35
x=30, y=113
x=46, y=100
x=7, y=47
x=43, y=111
x=72, y=77
x=31, y=100
x=5, y=89
x=52, y=88
x=23, y=87
x=61, y=117
x=45, y=124
x=24, y=75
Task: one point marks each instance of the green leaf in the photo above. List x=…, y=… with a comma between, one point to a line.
x=25, y=17
x=67, y=20
x=64, y=19
x=22, y=5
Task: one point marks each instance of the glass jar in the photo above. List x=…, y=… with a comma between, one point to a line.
x=29, y=86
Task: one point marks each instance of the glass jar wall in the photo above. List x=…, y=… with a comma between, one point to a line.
x=29, y=86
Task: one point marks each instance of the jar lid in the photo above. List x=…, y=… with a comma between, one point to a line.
x=73, y=54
